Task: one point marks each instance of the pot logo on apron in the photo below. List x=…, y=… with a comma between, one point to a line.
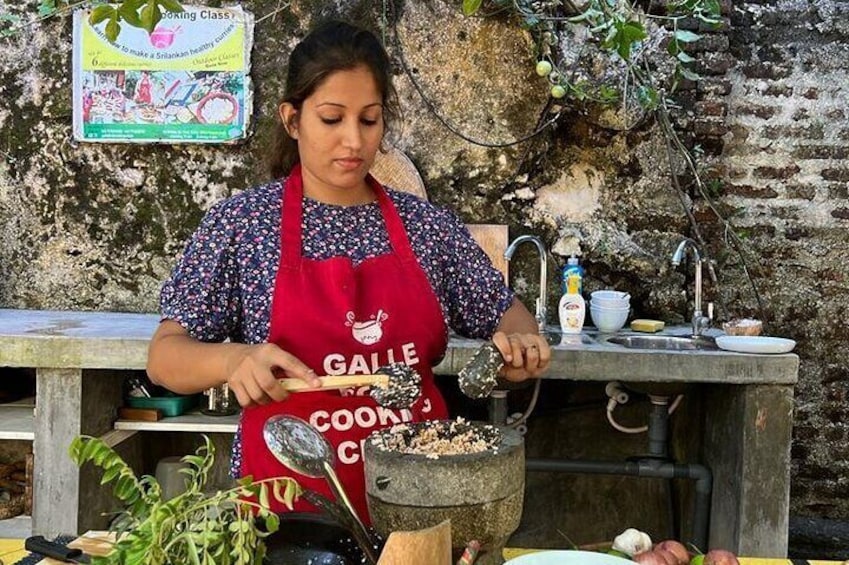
x=368, y=332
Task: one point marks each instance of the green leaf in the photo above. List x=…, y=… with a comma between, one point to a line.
x=171, y=5
x=130, y=14
x=272, y=522
x=46, y=8
x=634, y=31
x=712, y=7
x=113, y=28
x=91, y=447
x=673, y=48
x=11, y=18
x=150, y=16
x=263, y=496
x=192, y=551
x=686, y=36
x=100, y=14
x=684, y=58
x=293, y=490
x=470, y=7
x=647, y=97
x=688, y=74
x=110, y=474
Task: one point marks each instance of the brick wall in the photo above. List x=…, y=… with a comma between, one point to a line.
x=784, y=167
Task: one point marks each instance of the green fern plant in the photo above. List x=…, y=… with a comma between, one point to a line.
x=192, y=528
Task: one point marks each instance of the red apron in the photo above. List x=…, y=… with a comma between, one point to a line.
x=340, y=319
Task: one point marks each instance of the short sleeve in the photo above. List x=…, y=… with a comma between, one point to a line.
x=474, y=294
x=202, y=292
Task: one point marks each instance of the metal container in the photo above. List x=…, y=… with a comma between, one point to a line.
x=220, y=401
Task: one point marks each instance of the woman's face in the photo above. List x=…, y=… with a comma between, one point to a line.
x=338, y=129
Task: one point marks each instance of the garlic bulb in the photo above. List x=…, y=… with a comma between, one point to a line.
x=632, y=541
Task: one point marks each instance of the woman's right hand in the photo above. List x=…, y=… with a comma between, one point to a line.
x=253, y=370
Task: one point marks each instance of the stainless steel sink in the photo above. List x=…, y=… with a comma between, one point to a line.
x=661, y=343
x=664, y=342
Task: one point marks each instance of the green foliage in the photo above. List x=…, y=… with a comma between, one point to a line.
x=193, y=527
x=471, y=6
x=143, y=14
x=618, y=29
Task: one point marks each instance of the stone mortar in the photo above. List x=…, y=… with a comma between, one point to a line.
x=481, y=493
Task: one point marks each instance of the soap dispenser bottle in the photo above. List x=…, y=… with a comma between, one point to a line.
x=572, y=308
x=572, y=266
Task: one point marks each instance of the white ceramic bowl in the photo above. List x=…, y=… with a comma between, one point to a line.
x=610, y=295
x=568, y=557
x=609, y=306
x=608, y=321
x=610, y=303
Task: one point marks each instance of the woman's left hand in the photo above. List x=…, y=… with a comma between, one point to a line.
x=526, y=355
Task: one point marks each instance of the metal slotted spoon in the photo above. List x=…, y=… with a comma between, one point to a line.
x=302, y=448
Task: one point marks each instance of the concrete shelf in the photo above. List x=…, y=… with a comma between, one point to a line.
x=192, y=421
x=19, y=527
x=17, y=420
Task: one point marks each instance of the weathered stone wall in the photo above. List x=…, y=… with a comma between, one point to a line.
x=99, y=226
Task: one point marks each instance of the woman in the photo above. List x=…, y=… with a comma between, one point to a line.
x=326, y=272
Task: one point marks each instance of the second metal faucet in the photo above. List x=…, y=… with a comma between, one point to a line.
x=542, y=299
x=700, y=322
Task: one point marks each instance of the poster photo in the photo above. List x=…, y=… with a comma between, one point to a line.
x=187, y=82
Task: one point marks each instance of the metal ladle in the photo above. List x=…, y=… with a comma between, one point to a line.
x=302, y=448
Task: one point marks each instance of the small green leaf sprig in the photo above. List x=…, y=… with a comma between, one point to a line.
x=144, y=14
x=191, y=528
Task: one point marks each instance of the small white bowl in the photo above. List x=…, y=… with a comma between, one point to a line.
x=610, y=303
x=606, y=306
x=609, y=321
x=610, y=294
x=568, y=557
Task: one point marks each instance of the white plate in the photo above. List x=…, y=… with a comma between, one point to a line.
x=568, y=557
x=755, y=344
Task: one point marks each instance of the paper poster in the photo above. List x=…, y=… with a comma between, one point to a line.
x=187, y=82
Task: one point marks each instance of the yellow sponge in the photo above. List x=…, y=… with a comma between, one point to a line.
x=649, y=326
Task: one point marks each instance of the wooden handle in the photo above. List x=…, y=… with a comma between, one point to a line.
x=335, y=382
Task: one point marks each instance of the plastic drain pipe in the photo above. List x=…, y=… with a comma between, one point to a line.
x=647, y=468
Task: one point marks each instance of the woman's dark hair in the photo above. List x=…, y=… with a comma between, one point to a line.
x=331, y=47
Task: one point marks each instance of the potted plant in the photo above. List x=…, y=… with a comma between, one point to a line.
x=227, y=527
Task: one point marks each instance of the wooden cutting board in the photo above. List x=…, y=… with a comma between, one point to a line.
x=92, y=542
x=431, y=546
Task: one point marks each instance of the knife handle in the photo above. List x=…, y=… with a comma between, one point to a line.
x=37, y=544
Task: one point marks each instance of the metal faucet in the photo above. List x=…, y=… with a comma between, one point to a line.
x=542, y=299
x=700, y=322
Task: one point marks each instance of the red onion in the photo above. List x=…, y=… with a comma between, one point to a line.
x=676, y=548
x=720, y=557
x=655, y=557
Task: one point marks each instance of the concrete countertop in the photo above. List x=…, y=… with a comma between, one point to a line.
x=109, y=340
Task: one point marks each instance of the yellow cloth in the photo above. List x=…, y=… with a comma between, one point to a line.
x=12, y=550
x=511, y=552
